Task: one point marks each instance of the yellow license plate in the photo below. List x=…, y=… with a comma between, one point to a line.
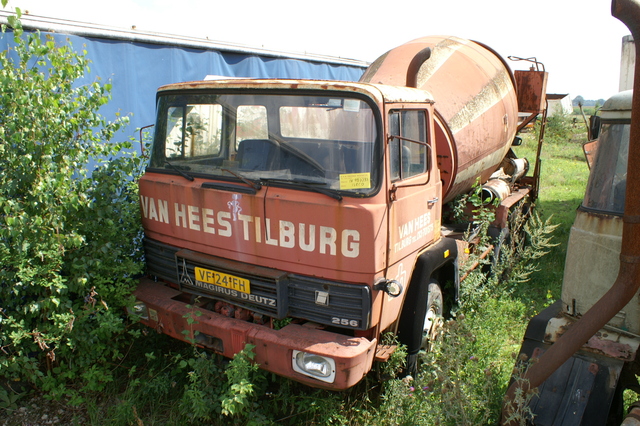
x=223, y=280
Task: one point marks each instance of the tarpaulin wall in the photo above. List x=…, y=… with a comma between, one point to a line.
x=136, y=70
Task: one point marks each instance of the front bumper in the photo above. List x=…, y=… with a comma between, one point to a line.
x=274, y=349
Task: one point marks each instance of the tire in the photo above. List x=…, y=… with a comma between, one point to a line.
x=427, y=322
x=432, y=320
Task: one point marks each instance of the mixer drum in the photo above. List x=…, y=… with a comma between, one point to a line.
x=476, y=104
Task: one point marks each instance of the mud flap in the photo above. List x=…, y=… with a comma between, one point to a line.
x=580, y=392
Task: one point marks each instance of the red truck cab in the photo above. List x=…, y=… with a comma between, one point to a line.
x=287, y=215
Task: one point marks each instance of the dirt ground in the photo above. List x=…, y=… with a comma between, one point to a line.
x=38, y=411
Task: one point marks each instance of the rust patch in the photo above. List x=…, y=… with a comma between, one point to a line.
x=590, y=148
x=599, y=223
x=613, y=349
x=557, y=333
x=532, y=89
x=383, y=352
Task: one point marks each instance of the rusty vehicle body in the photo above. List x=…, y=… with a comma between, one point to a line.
x=586, y=344
x=305, y=217
x=597, y=372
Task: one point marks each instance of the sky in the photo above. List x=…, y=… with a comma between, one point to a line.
x=578, y=41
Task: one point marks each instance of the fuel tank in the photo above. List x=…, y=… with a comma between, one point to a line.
x=476, y=104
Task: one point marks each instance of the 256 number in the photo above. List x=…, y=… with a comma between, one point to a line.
x=345, y=322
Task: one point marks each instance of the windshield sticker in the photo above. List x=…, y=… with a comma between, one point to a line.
x=352, y=105
x=355, y=181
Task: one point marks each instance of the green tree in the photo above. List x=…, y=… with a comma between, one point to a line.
x=578, y=100
x=69, y=235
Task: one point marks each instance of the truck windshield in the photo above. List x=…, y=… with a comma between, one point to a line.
x=608, y=179
x=326, y=141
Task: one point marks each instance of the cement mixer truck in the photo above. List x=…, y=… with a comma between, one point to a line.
x=308, y=218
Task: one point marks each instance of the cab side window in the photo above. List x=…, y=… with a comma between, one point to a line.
x=407, y=144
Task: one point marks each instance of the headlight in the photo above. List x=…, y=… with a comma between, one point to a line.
x=316, y=366
x=139, y=308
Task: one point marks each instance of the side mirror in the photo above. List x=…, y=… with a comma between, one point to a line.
x=594, y=127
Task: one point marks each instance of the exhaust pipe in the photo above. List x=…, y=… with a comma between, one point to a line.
x=495, y=189
x=628, y=280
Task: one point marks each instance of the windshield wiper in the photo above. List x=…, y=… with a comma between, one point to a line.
x=177, y=169
x=255, y=185
x=308, y=184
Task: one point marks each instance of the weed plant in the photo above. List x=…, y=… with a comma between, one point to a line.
x=70, y=231
x=564, y=175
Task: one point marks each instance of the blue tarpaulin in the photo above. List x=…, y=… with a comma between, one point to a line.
x=137, y=70
x=136, y=65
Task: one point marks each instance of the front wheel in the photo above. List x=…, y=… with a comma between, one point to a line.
x=427, y=325
x=433, y=317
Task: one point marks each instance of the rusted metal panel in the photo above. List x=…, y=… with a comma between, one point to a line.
x=563, y=398
x=612, y=349
x=590, y=149
x=591, y=265
x=506, y=207
x=531, y=87
x=378, y=92
x=383, y=352
x=580, y=392
x=611, y=342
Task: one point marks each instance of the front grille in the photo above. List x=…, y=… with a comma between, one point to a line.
x=266, y=284
x=346, y=305
x=161, y=260
x=273, y=293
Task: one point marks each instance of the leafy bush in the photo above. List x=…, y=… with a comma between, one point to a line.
x=208, y=394
x=69, y=221
x=559, y=129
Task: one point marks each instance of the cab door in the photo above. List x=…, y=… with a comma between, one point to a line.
x=415, y=189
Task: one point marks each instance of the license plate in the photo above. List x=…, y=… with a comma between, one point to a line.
x=223, y=280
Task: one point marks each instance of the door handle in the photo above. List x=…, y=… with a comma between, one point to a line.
x=433, y=201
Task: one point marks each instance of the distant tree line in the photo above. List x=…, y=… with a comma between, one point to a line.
x=580, y=100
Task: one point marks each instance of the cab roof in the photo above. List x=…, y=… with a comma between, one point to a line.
x=617, y=106
x=378, y=92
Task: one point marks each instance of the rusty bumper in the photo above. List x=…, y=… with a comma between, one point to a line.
x=274, y=349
